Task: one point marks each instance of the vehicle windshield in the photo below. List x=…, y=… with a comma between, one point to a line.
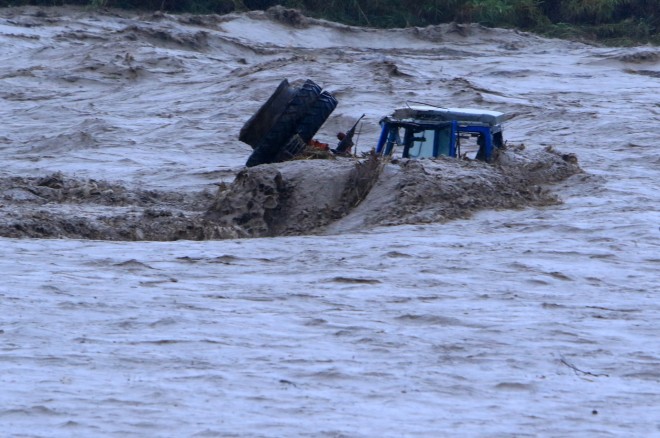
x=422, y=145
x=426, y=143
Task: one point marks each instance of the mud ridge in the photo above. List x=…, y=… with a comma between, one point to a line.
x=291, y=198
x=428, y=191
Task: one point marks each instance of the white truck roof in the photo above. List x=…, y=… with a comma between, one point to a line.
x=432, y=113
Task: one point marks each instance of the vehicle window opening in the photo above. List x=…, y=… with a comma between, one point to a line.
x=444, y=141
x=427, y=143
x=469, y=145
x=498, y=141
x=423, y=143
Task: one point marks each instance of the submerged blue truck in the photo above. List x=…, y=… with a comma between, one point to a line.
x=430, y=132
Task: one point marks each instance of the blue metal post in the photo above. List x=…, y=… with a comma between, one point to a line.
x=382, y=138
x=489, y=144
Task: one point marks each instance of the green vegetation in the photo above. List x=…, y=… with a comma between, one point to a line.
x=613, y=21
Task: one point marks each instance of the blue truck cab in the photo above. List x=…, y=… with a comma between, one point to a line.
x=430, y=132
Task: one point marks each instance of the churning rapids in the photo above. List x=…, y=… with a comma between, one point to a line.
x=448, y=298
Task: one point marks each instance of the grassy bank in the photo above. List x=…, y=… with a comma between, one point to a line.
x=608, y=21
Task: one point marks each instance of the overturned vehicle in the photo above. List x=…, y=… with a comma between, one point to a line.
x=287, y=122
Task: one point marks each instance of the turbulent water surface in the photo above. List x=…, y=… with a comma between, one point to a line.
x=540, y=321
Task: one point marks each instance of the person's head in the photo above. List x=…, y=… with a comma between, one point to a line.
x=341, y=135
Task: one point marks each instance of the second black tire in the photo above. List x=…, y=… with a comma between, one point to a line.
x=316, y=117
x=286, y=124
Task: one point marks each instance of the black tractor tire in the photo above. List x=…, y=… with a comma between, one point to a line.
x=293, y=147
x=316, y=117
x=263, y=120
x=287, y=122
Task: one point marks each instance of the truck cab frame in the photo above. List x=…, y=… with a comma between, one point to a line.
x=431, y=132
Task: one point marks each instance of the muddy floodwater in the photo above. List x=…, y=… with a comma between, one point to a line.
x=154, y=286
